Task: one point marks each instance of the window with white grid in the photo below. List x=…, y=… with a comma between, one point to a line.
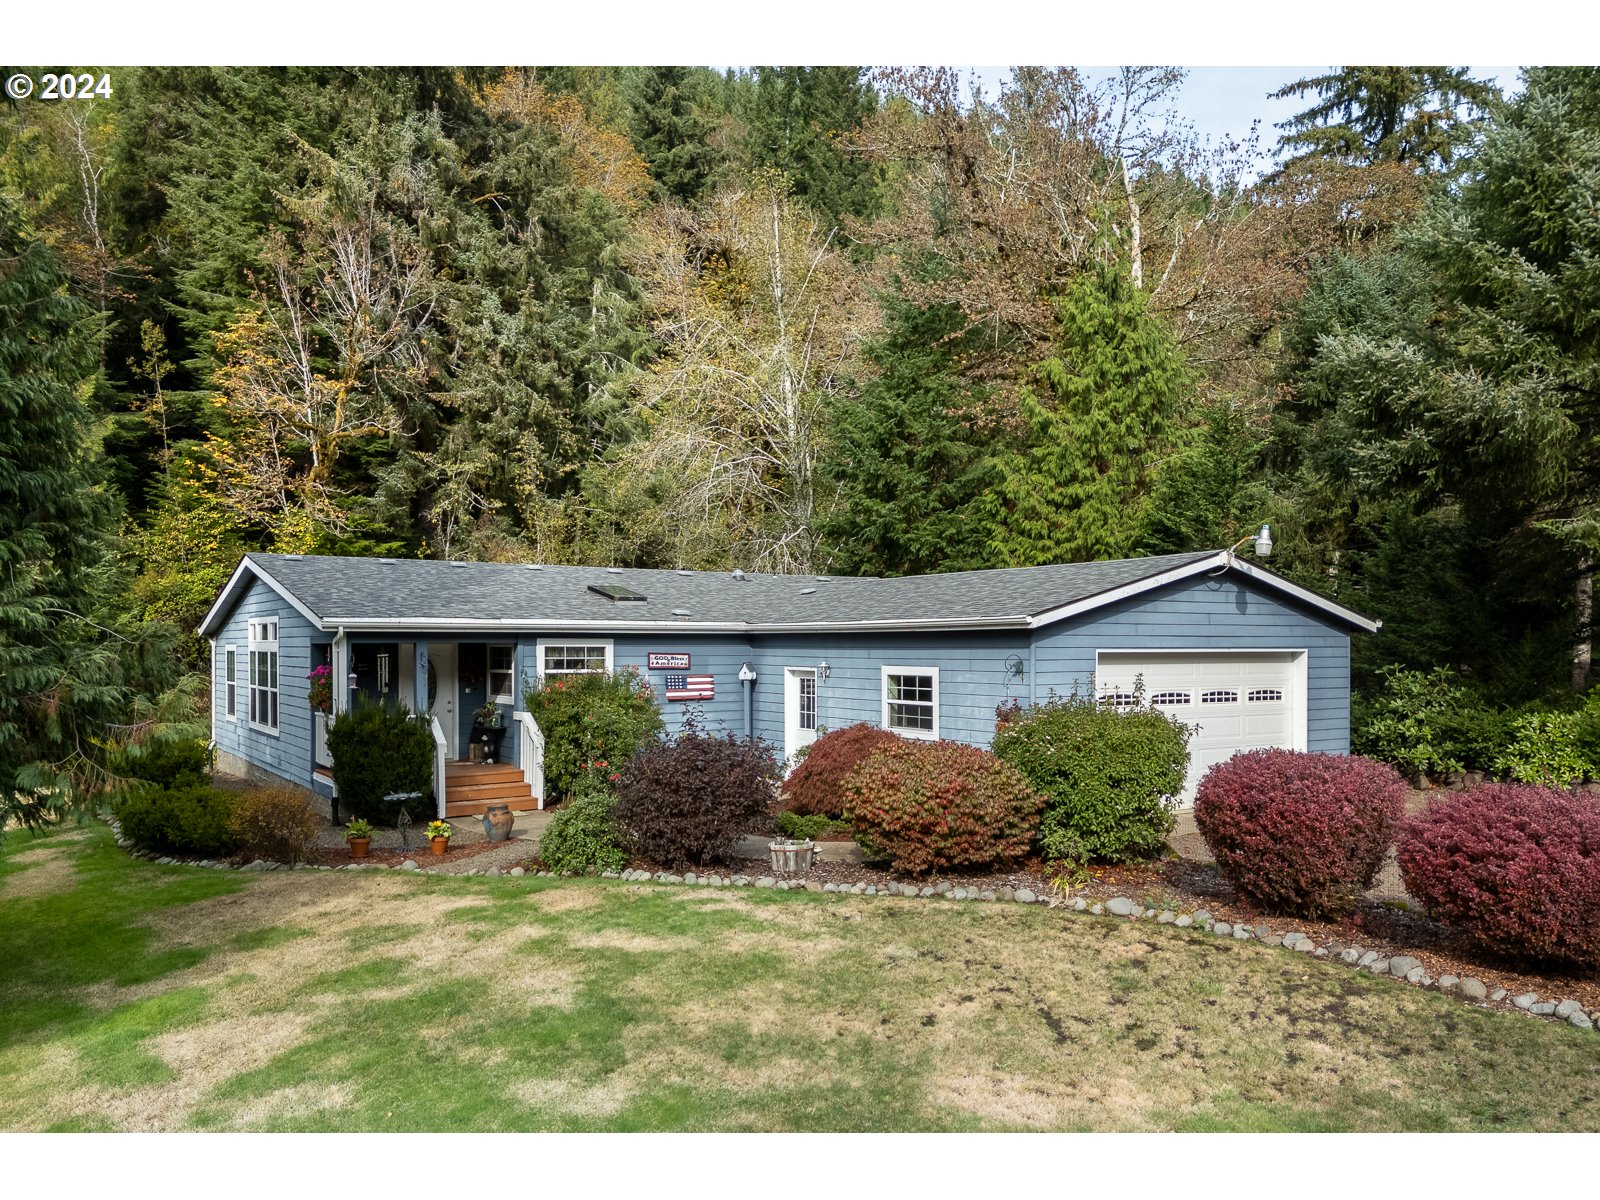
x=264, y=676
x=574, y=658
x=911, y=701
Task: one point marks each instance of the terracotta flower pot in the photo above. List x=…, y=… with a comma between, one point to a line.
x=438, y=845
x=359, y=847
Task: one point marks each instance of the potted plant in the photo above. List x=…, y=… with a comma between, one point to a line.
x=487, y=723
x=439, y=836
x=359, y=834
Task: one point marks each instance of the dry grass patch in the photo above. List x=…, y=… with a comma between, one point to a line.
x=572, y=1098
x=46, y=872
x=292, y=1104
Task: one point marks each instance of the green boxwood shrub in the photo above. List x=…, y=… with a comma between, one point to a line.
x=378, y=750
x=589, y=718
x=191, y=819
x=583, y=835
x=1110, y=777
x=803, y=828
x=184, y=763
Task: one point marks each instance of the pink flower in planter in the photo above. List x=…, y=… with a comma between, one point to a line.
x=320, y=693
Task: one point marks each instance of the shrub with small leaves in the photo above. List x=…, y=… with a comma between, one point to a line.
x=277, y=824
x=804, y=829
x=925, y=806
x=1514, y=867
x=1111, y=776
x=583, y=834
x=381, y=750
x=1545, y=750
x=193, y=819
x=182, y=763
x=686, y=800
x=1296, y=832
x=816, y=786
x=589, y=717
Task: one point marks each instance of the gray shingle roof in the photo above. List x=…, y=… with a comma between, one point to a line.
x=368, y=589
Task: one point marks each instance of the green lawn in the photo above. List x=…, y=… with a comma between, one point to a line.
x=141, y=997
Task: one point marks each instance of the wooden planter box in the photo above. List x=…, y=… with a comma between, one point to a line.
x=792, y=858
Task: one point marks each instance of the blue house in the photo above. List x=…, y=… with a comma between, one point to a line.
x=1251, y=658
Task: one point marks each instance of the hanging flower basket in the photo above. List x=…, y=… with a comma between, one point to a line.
x=319, y=693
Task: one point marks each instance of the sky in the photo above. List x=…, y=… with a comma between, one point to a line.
x=1221, y=102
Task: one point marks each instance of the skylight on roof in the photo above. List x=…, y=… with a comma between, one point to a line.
x=617, y=592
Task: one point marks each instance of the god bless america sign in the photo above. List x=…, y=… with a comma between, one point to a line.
x=656, y=661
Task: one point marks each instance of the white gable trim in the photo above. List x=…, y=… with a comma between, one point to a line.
x=1222, y=561
x=1268, y=579
x=234, y=589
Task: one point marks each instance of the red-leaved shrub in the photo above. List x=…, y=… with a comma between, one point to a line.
x=928, y=805
x=1513, y=866
x=816, y=786
x=1296, y=832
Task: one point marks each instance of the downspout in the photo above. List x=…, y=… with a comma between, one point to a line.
x=747, y=676
x=341, y=702
x=211, y=746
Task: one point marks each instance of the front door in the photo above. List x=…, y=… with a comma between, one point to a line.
x=442, y=698
x=799, y=709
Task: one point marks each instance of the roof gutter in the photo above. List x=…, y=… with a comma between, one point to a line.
x=517, y=624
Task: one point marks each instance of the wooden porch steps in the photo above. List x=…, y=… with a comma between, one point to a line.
x=469, y=788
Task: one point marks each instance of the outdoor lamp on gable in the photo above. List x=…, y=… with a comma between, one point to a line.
x=823, y=669
x=1263, y=541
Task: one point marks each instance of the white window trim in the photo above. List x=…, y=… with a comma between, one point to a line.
x=256, y=645
x=507, y=696
x=541, y=643
x=883, y=699
x=230, y=712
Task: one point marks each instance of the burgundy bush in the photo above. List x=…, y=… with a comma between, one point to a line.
x=816, y=786
x=1296, y=832
x=928, y=805
x=1513, y=866
x=685, y=800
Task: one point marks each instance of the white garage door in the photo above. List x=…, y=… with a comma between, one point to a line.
x=1244, y=700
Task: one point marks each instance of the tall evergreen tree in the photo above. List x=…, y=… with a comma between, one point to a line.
x=1209, y=493
x=1487, y=398
x=908, y=455
x=1422, y=116
x=671, y=130
x=1098, y=417
x=797, y=120
x=58, y=681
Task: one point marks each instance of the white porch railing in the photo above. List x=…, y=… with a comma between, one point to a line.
x=319, y=739
x=438, y=763
x=530, y=753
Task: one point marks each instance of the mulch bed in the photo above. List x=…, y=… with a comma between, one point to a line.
x=421, y=855
x=1184, y=885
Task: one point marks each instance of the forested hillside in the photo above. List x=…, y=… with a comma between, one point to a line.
x=788, y=319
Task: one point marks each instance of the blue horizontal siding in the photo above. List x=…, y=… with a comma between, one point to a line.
x=289, y=754
x=1210, y=614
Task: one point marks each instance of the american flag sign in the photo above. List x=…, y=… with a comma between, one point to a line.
x=691, y=687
